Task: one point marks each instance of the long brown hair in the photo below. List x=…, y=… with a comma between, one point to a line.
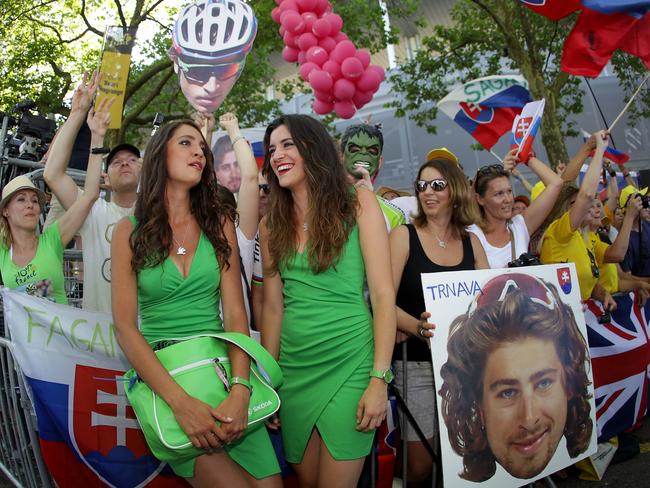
x=152, y=237
x=464, y=207
x=332, y=204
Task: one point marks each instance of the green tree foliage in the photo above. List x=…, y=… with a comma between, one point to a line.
x=491, y=37
x=46, y=45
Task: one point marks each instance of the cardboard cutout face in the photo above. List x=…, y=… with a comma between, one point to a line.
x=210, y=42
x=362, y=150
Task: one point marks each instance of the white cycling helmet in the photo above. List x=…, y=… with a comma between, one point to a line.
x=214, y=30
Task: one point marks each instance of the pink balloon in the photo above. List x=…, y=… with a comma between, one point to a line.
x=307, y=68
x=343, y=50
x=288, y=5
x=321, y=6
x=320, y=80
x=352, y=68
x=278, y=2
x=364, y=56
x=316, y=54
x=275, y=14
x=292, y=21
x=379, y=70
x=327, y=43
x=307, y=5
x=321, y=107
x=282, y=30
x=335, y=21
x=290, y=54
x=309, y=18
x=343, y=89
x=321, y=28
x=333, y=68
x=369, y=81
x=360, y=98
x=301, y=57
x=290, y=39
x=341, y=36
x=344, y=109
x=307, y=40
x=324, y=96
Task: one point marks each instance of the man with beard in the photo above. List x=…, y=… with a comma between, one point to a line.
x=515, y=383
x=123, y=167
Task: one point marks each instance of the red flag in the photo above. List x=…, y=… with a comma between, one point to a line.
x=637, y=40
x=553, y=9
x=594, y=39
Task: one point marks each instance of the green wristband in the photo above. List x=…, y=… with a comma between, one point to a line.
x=238, y=380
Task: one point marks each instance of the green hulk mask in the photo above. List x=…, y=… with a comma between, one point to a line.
x=362, y=149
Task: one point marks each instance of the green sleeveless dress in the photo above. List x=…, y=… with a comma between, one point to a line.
x=172, y=306
x=326, y=353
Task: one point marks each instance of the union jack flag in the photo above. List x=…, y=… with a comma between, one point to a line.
x=620, y=358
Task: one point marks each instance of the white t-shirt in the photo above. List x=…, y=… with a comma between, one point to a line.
x=408, y=206
x=499, y=257
x=96, y=234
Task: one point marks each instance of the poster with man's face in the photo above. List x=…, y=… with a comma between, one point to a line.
x=513, y=379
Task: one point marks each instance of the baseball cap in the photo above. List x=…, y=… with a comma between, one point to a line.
x=122, y=147
x=442, y=153
x=523, y=199
x=627, y=192
x=387, y=189
x=21, y=182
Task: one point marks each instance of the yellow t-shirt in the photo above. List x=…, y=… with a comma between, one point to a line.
x=562, y=245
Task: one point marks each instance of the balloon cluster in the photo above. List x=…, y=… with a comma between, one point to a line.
x=341, y=75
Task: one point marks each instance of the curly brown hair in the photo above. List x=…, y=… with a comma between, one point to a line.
x=472, y=338
x=151, y=238
x=465, y=209
x=332, y=203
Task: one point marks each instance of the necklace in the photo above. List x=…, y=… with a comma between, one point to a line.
x=181, y=251
x=305, y=227
x=441, y=242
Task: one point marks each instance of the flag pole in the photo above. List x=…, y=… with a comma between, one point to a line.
x=495, y=155
x=599, y=110
x=629, y=102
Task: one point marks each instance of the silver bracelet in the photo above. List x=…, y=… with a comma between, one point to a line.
x=237, y=139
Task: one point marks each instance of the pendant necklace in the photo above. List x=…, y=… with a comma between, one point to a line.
x=181, y=251
x=305, y=227
x=441, y=242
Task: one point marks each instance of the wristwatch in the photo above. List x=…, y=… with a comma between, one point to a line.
x=386, y=375
x=100, y=150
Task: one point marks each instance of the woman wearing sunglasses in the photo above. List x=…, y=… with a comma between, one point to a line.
x=320, y=239
x=569, y=239
x=498, y=229
x=436, y=241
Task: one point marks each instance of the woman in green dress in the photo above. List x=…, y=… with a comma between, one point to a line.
x=174, y=260
x=320, y=239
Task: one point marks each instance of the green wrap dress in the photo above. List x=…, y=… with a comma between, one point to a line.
x=326, y=353
x=172, y=306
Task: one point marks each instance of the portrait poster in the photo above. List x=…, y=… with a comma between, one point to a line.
x=514, y=387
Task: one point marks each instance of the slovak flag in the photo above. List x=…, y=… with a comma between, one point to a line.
x=553, y=9
x=564, y=279
x=486, y=107
x=612, y=154
x=525, y=128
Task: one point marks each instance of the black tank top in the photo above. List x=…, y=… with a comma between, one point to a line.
x=409, y=295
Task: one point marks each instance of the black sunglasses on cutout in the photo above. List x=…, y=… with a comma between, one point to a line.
x=265, y=187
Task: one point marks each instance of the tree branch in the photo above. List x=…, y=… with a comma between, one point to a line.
x=146, y=75
x=150, y=9
x=137, y=110
x=85, y=19
x=120, y=12
x=56, y=32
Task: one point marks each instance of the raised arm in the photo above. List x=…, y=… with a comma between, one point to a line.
x=375, y=249
x=585, y=196
x=573, y=168
x=249, y=195
x=612, y=188
x=616, y=252
x=522, y=179
x=73, y=219
x=539, y=208
x=63, y=186
x=273, y=305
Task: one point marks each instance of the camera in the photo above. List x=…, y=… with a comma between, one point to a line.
x=526, y=259
x=33, y=133
x=605, y=318
x=645, y=201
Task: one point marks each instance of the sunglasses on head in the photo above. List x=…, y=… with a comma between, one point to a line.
x=489, y=170
x=436, y=184
x=265, y=187
x=201, y=73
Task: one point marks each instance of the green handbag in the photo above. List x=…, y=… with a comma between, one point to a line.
x=200, y=365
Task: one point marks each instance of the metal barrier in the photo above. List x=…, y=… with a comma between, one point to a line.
x=20, y=454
